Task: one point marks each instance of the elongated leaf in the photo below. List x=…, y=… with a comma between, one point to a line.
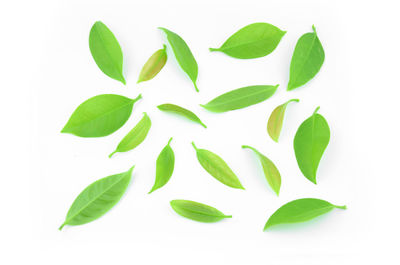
x=154, y=65
x=164, y=167
x=181, y=111
x=271, y=173
x=183, y=55
x=240, y=98
x=307, y=59
x=100, y=115
x=135, y=137
x=310, y=142
x=275, y=121
x=197, y=211
x=217, y=168
x=97, y=199
x=300, y=210
x=106, y=51
x=253, y=41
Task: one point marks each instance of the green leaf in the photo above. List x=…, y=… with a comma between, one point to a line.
x=300, y=210
x=154, y=65
x=181, y=111
x=197, y=211
x=106, y=51
x=97, y=199
x=164, y=167
x=253, y=41
x=275, y=121
x=217, y=168
x=183, y=55
x=100, y=115
x=240, y=98
x=307, y=59
x=271, y=173
x=135, y=137
x=310, y=142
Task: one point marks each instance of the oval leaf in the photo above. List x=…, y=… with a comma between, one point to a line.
x=307, y=59
x=300, y=210
x=154, y=65
x=253, y=41
x=135, y=137
x=183, y=55
x=271, y=173
x=310, y=142
x=100, y=115
x=97, y=199
x=197, y=211
x=106, y=51
x=275, y=121
x=217, y=168
x=240, y=98
x=164, y=167
x=181, y=111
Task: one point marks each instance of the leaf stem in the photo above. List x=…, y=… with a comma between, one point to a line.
x=213, y=49
x=195, y=86
x=138, y=97
x=110, y=155
x=293, y=100
x=194, y=146
x=62, y=226
x=169, y=140
x=313, y=28
x=344, y=207
x=315, y=111
x=205, y=126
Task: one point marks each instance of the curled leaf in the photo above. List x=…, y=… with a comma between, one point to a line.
x=164, y=167
x=275, y=121
x=154, y=65
x=181, y=111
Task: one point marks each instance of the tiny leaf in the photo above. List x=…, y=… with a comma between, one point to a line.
x=310, y=142
x=164, y=167
x=106, y=51
x=240, y=98
x=97, y=199
x=181, y=111
x=135, y=137
x=253, y=41
x=197, y=211
x=300, y=210
x=100, y=115
x=183, y=55
x=275, y=121
x=307, y=59
x=217, y=168
x=154, y=65
x=271, y=173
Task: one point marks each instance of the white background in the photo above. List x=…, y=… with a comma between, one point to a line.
x=47, y=71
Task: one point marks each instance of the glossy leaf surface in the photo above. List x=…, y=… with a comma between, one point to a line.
x=97, y=199
x=240, y=98
x=182, y=112
x=135, y=137
x=100, y=115
x=310, y=142
x=197, y=211
x=106, y=51
x=300, y=210
x=217, y=168
x=307, y=59
x=275, y=121
x=252, y=41
x=164, y=167
x=154, y=65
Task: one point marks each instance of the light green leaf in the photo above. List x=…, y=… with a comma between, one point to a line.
x=217, y=168
x=275, y=121
x=271, y=173
x=97, y=199
x=181, y=111
x=183, y=55
x=154, y=65
x=197, y=211
x=135, y=137
x=164, y=167
x=310, y=142
x=300, y=210
x=100, y=115
x=307, y=59
x=106, y=51
x=253, y=41
x=240, y=98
